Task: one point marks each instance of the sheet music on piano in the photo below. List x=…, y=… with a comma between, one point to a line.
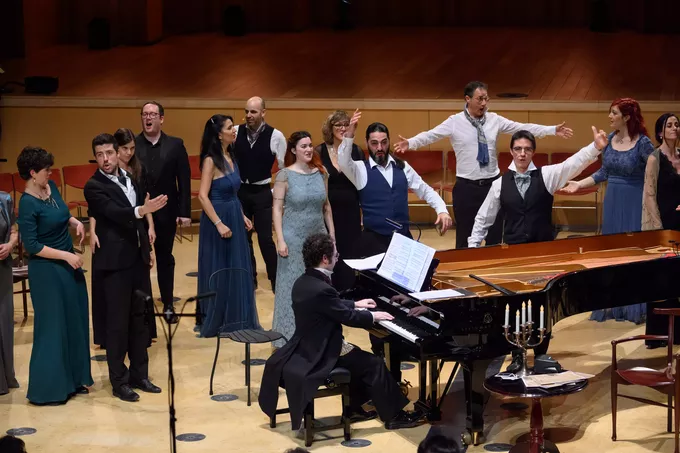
x=406, y=262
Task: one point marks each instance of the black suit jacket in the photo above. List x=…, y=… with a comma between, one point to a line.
x=167, y=173
x=306, y=360
x=122, y=236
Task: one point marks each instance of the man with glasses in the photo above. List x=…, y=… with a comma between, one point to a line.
x=256, y=148
x=167, y=167
x=473, y=133
x=525, y=193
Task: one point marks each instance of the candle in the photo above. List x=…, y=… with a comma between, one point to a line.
x=541, y=317
x=507, y=315
x=524, y=313
x=529, y=314
x=517, y=322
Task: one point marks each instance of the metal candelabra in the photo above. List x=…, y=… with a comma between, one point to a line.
x=521, y=338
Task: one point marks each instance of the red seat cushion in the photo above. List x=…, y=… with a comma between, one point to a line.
x=648, y=378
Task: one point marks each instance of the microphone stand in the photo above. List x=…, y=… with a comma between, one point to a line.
x=170, y=318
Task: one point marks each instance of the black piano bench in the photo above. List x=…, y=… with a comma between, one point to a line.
x=337, y=383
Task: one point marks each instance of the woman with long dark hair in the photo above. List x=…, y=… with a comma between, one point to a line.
x=623, y=167
x=223, y=241
x=660, y=203
x=130, y=164
x=301, y=208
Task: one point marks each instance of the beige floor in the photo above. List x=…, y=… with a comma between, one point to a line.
x=98, y=422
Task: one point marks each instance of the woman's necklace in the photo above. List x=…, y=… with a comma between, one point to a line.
x=43, y=196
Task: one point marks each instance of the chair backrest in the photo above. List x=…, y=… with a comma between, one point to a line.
x=590, y=169
x=195, y=165
x=231, y=283
x=7, y=183
x=424, y=162
x=451, y=161
x=671, y=313
x=77, y=175
x=19, y=183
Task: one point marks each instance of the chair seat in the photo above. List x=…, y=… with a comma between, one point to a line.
x=447, y=186
x=338, y=376
x=579, y=192
x=646, y=377
x=252, y=336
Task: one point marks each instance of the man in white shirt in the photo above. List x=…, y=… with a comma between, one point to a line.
x=525, y=193
x=383, y=183
x=256, y=148
x=473, y=133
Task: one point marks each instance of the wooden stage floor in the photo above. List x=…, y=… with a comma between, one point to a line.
x=98, y=423
x=432, y=63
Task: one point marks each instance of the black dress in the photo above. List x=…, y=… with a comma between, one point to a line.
x=667, y=198
x=344, y=200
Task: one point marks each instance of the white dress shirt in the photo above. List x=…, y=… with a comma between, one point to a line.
x=128, y=189
x=278, y=146
x=554, y=177
x=356, y=173
x=463, y=137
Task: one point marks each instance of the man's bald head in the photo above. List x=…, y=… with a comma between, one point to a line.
x=255, y=112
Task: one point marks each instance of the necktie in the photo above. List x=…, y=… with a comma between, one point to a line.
x=122, y=179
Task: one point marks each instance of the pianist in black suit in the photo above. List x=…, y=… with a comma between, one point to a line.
x=525, y=195
x=318, y=346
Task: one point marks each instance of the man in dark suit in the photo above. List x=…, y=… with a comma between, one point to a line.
x=318, y=346
x=122, y=266
x=167, y=164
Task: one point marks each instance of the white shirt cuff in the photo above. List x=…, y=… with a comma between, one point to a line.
x=137, y=212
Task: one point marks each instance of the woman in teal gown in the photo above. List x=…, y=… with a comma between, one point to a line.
x=60, y=359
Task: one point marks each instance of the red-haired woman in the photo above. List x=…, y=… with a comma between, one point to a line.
x=623, y=167
x=301, y=208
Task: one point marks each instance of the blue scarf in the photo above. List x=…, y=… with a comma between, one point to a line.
x=482, y=147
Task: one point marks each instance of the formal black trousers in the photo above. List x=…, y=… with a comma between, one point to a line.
x=165, y=262
x=126, y=331
x=256, y=201
x=370, y=380
x=468, y=196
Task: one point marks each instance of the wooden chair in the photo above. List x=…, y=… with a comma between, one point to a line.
x=665, y=380
x=195, y=166
x=592, y=168
x=76, y=176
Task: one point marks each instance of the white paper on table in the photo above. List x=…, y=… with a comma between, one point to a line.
x=554, y=379
x=406, y=262
x=365, y=264
x=436, y=294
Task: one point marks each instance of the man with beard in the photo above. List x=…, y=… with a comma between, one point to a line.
x=167, y=166
x=256, y=148
x=383, y=183
x=473, y=134
x=122, y=265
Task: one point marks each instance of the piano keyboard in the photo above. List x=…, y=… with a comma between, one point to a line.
x=402, y=328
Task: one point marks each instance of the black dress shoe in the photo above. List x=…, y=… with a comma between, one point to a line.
x=404, y=420
x=654, y=344
x=82, y=390
x=361, y=415
x=516, y=364
x=125, y=393
x=145, y=385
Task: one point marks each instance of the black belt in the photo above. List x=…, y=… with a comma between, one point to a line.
x=478, y=182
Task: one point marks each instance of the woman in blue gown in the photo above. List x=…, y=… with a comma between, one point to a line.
x=223, y=241
x=623, y=167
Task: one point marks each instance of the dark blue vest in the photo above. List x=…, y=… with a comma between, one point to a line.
x=527, y=219
x=380, y=201
x=254, y=164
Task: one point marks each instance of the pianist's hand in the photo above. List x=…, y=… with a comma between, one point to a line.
x=382, y=316
x=401, y=299
x=365, y=303
x=418, y=311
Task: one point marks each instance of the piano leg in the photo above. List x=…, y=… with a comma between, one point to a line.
x=435, y=414
x=473, y=376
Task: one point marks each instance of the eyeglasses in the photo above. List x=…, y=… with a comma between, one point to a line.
x=482, y=99
x=341, y=125
x=152, y=115
x=519, y=149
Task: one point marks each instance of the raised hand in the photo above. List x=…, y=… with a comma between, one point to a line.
x=600, y=138
x=401, y=146
x=353, y=123
x=562, y=131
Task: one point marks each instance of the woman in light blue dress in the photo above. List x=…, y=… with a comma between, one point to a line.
x=623, y=167
x=301, y=208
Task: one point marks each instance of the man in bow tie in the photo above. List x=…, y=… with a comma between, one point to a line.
x=524, y=194
x=122, y=266
x=318, y=346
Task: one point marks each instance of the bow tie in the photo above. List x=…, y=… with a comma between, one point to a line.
x=122, y=179
x=523, y=177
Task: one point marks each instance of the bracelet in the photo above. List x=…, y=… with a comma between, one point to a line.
x=218, y=222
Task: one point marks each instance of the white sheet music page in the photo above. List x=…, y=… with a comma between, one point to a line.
x=406, y=262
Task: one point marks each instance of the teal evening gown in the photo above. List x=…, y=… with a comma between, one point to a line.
x=60, y=359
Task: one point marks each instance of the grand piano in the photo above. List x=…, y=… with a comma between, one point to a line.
x=567, y=277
